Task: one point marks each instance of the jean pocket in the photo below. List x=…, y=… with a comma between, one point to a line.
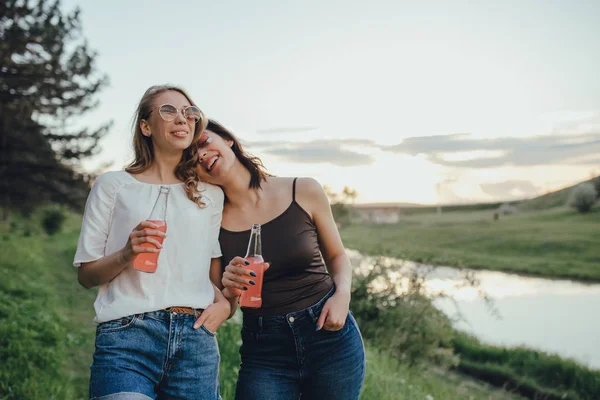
x=213, y=334
x=117, y=325
x=336, y=332
x=347, y=322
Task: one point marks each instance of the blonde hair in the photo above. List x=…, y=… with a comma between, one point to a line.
x=144, y=152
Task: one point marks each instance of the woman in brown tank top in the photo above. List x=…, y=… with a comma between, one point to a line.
x=303, y=341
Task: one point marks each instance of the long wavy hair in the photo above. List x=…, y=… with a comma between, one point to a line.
x=258, y=172
x=144, y=151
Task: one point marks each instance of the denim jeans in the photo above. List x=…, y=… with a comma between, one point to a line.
x=154, y=355
x=284, y=357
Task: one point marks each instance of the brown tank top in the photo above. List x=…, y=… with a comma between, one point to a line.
x=297, y=277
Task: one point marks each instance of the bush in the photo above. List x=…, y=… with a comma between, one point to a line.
x=53, y=220
x=583, y=197
x=230, y=341
x=399, y=315
x=341, y=214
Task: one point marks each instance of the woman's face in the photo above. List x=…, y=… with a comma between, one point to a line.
x=175, y=135
x=215, y=158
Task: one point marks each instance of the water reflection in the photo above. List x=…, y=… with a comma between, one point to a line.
x=557, y=316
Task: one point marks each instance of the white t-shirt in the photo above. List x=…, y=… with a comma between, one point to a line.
x=116, y=204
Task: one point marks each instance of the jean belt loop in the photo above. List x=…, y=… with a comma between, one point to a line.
x=260, y=323
x=311, y=313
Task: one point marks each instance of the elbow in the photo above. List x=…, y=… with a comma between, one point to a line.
x=83, y=279
x=336, y=258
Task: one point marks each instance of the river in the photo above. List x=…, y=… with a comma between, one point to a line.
x=556, y=316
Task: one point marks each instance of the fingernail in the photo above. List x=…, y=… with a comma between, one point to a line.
x=318, y=327
x=245, y=288
x=252, y=273
x=195, y=326
x=252, y=282
x=247, y=262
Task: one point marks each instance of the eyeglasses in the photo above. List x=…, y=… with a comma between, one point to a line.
x=168, y=112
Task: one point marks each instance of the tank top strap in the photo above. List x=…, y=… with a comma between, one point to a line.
x=294, y=190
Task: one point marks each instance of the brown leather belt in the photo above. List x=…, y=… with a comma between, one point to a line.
x=184, y=310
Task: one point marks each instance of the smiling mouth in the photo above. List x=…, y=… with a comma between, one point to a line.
x=180, y=134
x=212, y=163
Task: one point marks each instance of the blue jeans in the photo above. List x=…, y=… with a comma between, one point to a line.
x=284, y=357
x=154, y=355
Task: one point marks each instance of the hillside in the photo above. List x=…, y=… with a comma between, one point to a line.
x=558, y=242
x=554, y=199
x=557, y=198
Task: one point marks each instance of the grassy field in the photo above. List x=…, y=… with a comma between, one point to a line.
x=387, y=379
x=557, y=242
x=530, y=372
x=47, y=333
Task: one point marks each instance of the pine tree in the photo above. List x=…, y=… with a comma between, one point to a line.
x=47, y=80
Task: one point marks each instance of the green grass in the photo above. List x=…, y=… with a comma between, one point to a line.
x=420, y=210
x=47, y=332
x=529, y=371
x=557, y=242
x=45, y=320
x=388, y=379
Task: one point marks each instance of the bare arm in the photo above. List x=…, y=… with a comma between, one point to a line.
x=311, y=193
x=312, y=197
x=105, y=269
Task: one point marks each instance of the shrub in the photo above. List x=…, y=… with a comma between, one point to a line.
x=53, y=220
x=597, y=186
x=399, y=315
x=583, y=197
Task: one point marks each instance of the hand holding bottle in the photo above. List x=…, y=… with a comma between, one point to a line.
x=147, y=237
x=150, y=239
x=238, y=277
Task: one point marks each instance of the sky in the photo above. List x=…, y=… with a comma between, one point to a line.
x=404, y=101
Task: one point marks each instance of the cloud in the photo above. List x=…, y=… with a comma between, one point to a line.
x=287, y=129
x=459, y=150
x=575, y=122
x=320, y=151
x=510, y=189
x=536, y=150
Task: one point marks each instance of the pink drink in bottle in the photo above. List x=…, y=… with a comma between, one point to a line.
x=148, y=262
x=252, y=297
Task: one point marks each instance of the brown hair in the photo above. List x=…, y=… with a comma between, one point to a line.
x=144, y=153
x=253, y=164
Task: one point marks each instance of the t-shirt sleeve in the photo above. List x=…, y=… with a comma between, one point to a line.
x=215, y=226
x=96, y=221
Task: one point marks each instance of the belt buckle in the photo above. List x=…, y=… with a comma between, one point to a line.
x=180, y=310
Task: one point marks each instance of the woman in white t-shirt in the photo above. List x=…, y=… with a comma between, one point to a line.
x=156, y=332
